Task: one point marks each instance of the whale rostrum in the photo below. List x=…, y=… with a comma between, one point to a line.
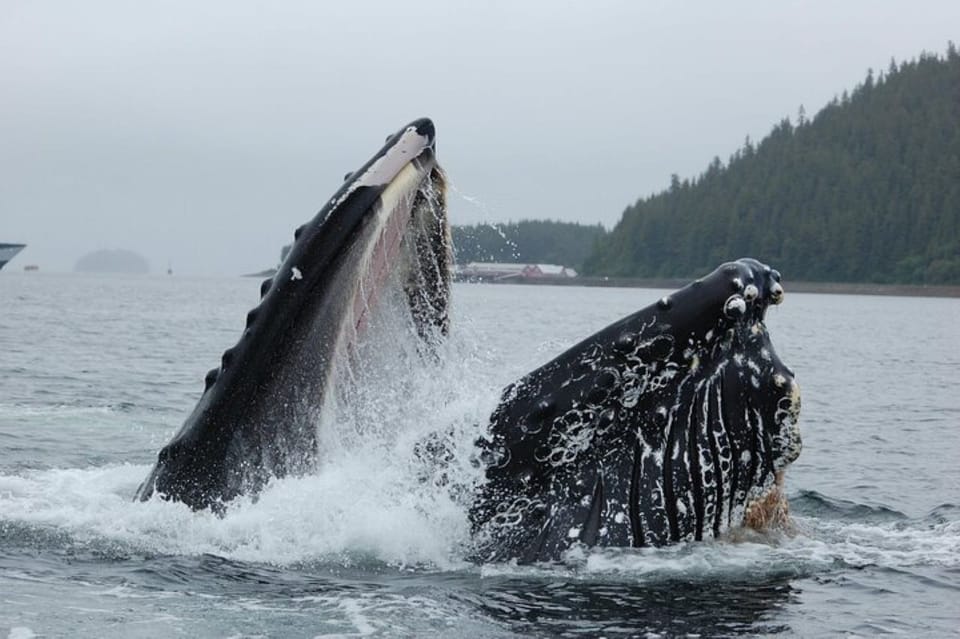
x=675, y=423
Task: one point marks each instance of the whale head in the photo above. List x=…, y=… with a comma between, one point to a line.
x=674, y=423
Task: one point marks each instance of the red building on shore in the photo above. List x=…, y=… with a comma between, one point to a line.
x=506, y=271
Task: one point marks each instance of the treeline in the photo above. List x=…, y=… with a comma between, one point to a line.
x=866, y=190
x=528, y=241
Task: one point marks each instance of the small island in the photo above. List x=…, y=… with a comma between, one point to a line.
x=112, y=261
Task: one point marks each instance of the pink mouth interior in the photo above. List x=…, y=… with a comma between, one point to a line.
x=382, y=259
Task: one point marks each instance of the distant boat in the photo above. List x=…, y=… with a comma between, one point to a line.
x=8, y=252
x=31, y=267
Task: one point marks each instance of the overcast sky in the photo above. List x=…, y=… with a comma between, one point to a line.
x=203, y=133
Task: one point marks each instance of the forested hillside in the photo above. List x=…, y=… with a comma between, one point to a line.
x=530, y=241
x=866, y=190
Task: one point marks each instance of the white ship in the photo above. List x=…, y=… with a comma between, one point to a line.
x=8, y=252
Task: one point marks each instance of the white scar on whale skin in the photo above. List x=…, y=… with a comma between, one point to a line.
x=386, y=167
x=295, y=274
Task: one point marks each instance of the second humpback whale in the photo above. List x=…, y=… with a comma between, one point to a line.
x=674, y=423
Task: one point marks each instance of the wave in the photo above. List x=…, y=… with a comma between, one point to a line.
x=19, y=411
x=349, y=516
x=811, y=503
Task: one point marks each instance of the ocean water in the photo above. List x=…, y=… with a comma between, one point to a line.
x=96, y=374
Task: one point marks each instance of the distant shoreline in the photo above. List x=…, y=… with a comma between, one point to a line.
x=828, y=288
x=832, y=288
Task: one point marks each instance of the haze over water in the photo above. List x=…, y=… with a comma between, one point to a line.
x=201, y=135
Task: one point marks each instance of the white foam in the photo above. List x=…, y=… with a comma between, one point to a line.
x=365, y=508
x=347, y=509
x=371, y=499
x=892, y=545
x=818, y=546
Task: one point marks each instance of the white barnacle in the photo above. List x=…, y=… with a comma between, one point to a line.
x=574, y=532
x=750, y=293
x=776, y=292
x=734, y=307
x=295, y=274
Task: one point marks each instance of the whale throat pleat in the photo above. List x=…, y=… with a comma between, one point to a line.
x=590, y=532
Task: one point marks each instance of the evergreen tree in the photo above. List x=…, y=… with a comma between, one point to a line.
x=866, y=190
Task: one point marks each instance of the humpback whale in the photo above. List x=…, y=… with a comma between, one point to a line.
x=675, y=423
x=258, y=413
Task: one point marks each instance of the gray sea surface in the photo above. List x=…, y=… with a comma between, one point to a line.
x=97, y=373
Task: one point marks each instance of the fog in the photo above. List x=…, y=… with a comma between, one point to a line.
x=202, y=134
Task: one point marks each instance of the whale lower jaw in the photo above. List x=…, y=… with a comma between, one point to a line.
x=768, y=508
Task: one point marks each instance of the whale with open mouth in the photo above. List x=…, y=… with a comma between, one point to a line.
x=257, y=418
x=674, y=423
